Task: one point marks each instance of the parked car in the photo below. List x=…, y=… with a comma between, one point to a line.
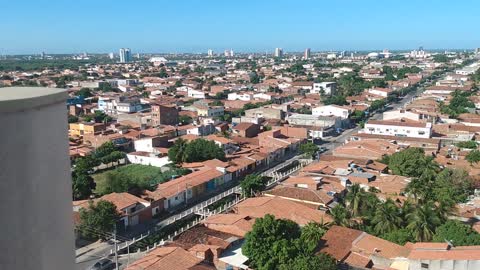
x=103, y=264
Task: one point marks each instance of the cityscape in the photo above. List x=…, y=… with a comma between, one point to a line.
x=220, y=155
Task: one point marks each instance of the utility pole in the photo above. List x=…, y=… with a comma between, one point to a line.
x=115, y=244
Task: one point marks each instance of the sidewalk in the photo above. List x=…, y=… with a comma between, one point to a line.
x=91, y=247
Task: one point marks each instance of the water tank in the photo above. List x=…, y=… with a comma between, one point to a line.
x=35, y=184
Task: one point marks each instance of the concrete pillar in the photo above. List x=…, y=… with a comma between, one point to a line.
x=35, y=180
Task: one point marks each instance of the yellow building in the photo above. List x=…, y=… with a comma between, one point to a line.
x=79, y=129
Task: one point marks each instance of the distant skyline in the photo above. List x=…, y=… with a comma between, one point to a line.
x=104, y=26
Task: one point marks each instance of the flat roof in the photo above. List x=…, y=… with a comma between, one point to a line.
x=14, y=99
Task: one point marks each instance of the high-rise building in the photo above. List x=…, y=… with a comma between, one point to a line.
x=278, y=52
x=210, y=52
x=229, y=53
x=125, y=55
x=42, y=55
x=111, y=55
x=306, y=55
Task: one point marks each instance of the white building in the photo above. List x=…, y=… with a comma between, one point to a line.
x=399, y=128
x=328, y=88
x=125, y=55
x=278, y=52
x=195, y=93
x=240, y=96
x=149, y=159
x=383, y=92
x=331, y=110
x=210, y=52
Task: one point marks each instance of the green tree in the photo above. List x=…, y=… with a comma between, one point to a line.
x=340, y=215
x=422, y=222
x=176, y=152
x=410, y=162
x=309, y=149
x=467, y=144
x=72, y=119
x=310, y=236
x=185, y=119
x=84, y=92
x=251, y=184
x=387, y=218
x=269, y=244
x=400, y=236
x=457, y=233
x=452, y=186
x=473, y=157
x=82, y=185
x=319, y=261
x=354, y=198
x=98, y=217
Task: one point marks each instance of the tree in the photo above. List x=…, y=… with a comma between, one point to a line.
x=452, y=186
x=176, y=152
x=400, y=236
x=337, y=100
x=97, y=221
x=82, y=185
x=340, y=215
x=387, y=218
x=410, y=162
x=251, y=184
x=473, y=157
x=310, y=236
x=309, y=149
x=72, y=119
x=457, y=233
x=422, y=222
x=85, y=93
x=254, y=78
x=269, y=244
x=319, y=261
x=185, y=119
x=440, y=58
x=354, y=198
x=467, y=144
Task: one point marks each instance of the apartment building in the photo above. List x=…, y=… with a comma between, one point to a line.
x=164, y=114
x=331, y=110
x=327, y=88
x=80, y=129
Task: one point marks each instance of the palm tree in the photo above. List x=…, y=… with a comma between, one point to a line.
x=311, y=234
x=354, y=198
x=340, y=215
x=387, y=217
x=422, y=221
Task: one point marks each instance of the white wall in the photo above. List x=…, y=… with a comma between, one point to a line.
x=406, y=131
x=152, y=161
x=330, y=110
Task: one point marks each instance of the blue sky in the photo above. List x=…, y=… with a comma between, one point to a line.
x=71, y=26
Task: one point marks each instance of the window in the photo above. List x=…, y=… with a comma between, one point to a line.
x=421, y=133
x=424, y=265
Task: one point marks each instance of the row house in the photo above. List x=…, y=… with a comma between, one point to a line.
x=399, y=128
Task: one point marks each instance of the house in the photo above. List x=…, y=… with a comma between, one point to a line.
x=316, y=191
x=331, y=110
x=208, y=111
x=378, y=91
x=326, y=88
x=430, y=145
x=171, y=258
x=132, y=209
x=297, y=119
x=299, y=213
x=80, y=129
x=192, y=93
x=399, y=128
x=266, y=113
x=357, y=249
x=248, y=130
x=189, y=187
x=373, y=149
x=439, y=256
x=164, y=114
